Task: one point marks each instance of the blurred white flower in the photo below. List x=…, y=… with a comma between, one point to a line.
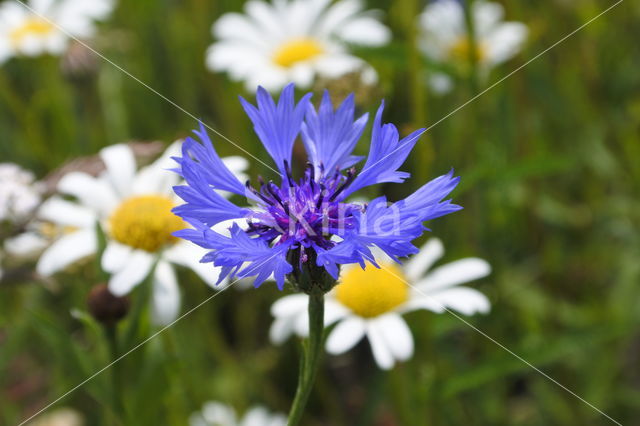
x=285, y=41
x=46, y=26
x=19, y=194
x=218, y=414
x=370, y=302
x=440, y=83
x=444, y=33
x=134, y=209
x=29, y=244
x=59, y=417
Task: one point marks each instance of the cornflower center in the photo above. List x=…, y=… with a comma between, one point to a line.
x=297, y=50
x=306, y=212
x=372, y=292
x=145, y=222
x=461, y=50
x=33, y=26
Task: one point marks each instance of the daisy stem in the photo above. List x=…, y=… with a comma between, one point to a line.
x=310, y=357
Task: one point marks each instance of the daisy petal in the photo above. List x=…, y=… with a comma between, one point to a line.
x=66, y=213
x=115, y=256
x=166, y=295
x=290, y=305
x=467, y=301
x=156, y=177
x=337, y=15
x=333, y=311
x=458, y=272
x=423, y=301
x=429, y=253
x=25, y=245
x=217, y=413
x=366, y=31
x=121, y=167
x=379, y=346
x=346, y=334
x=41, y=7
x=266, y=17
x=505, y=41
x=133, y=273
x=280, y=330
x=397, y=335
x=257, y=416
x=486, y=15
x=92, y=192
x=189, y=255
x=67, y=250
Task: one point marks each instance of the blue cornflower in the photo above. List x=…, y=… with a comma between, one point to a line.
x=306, y=224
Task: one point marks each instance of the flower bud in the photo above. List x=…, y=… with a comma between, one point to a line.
x=307, y=276
x=105, y=307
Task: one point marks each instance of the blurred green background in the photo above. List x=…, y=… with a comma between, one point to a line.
x=550, y=166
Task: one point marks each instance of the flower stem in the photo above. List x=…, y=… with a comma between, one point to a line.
x=309, y=360
x=116, y=375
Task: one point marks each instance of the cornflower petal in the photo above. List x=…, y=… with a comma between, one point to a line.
x=330, y=136
x=277, y=125
x=386, y=155
x=209, y=164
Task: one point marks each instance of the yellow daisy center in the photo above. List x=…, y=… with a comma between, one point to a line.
x=296, y=50
x=145, y=222
x=461, y=50
x=31, y=27
x=371, y=292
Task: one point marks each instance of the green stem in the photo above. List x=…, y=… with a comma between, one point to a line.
x=116, y=376
x=309, y=361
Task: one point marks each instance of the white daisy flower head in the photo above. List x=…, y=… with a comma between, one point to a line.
x=134, y=209
x=37, y=27
x=19, y=193
x=285, y=41
x=218, y=414
x=370, y=302
x=444, y=33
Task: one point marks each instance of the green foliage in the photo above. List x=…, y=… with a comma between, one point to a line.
x=550, y=184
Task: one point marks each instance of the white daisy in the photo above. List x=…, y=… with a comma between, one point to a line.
x=19, y=194
x=48, y=26
x=134, y=209
x=444, y=33
x=285, y=41
x=370, y=302
x=218, y=414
